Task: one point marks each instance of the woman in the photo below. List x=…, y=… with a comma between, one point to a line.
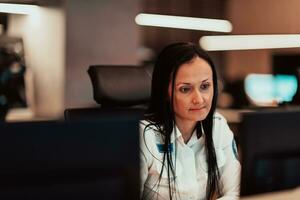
x=187, y=150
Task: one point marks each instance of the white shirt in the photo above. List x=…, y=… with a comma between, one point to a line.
x=191, y=166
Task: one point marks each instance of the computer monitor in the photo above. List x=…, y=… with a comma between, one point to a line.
x=265, y=89
x=270, y=151
x=68, y=160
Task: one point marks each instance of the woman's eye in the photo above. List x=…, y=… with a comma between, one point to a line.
x=205, y=86
x=184, y=89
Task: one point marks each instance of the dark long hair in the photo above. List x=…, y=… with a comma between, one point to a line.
x=160, y=112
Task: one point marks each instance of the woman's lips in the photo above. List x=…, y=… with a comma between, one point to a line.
x=197, y=109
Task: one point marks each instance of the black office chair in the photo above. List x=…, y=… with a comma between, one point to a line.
x=117, y=89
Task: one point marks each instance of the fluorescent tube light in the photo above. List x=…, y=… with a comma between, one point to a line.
x=247, y=42
x=191, y=23
x=17, y=8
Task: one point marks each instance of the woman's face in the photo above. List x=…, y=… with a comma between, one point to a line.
x=193, y=91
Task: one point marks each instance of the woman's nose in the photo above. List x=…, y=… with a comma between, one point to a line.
x=197, y=98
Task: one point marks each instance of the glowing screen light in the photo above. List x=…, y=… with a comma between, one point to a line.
x=265, y=89
x=285, y=87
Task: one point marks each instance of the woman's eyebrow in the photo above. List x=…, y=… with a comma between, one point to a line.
x=186, y=83
x=183, y=83
x=205, y=80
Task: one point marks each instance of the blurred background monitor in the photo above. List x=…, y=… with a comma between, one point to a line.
x=270, y=146
x=68, y=160
x=268, y=89
x=279, y=87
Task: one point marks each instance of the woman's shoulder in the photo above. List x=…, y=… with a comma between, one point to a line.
x=147, y=126
x=222, y=134
x=149, y=131
x=149, y=139
x=219, y=121
x=218, y=117
x=144, y=123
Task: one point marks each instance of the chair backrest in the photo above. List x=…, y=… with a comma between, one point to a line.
x=116, y=88
x=120, y=86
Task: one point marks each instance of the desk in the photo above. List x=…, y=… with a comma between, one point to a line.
x=23, y=115
x=293, y=194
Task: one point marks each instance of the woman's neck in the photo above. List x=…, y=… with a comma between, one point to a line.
x=186, y=128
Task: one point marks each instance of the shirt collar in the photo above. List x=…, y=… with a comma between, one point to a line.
x=176, y=134
x=194, y=139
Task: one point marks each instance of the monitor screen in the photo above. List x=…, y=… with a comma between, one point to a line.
x=270, y=146
x=265, y=89
x=68, y=160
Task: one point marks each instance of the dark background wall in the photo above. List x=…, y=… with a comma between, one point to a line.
x=156, y=38
x=97, y=32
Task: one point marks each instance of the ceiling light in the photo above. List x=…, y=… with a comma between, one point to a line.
x=248, y=42
x=17, y=8
x=191, y=23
